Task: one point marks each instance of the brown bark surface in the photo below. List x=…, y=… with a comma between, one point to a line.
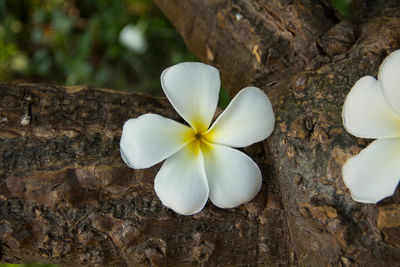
x=66, y=196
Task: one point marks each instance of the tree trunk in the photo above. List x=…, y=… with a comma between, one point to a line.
x=66, y=196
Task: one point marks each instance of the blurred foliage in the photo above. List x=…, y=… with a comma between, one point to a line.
x=77, y=42
x=343, y=6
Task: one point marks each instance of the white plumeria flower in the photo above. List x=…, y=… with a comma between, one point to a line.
x=200, y=162
x=372, y=110
x=133, y=38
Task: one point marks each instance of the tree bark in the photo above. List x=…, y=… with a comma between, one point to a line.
x=306, y=58
x=66, y=197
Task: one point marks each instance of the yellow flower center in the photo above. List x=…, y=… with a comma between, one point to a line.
x=199, y=143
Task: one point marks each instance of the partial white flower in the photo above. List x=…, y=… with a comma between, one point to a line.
x=133, y=38
x=372, y=110
x=199, y=161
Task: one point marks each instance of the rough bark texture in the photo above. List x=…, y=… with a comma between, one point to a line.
x=66, y=196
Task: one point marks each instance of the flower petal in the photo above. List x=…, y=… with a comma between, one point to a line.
x=367, y=114
x=374, y=173
x=192, y=88
x=181, y=183
x=233, y=177
x=249, y=118
x=389, y=78
x=151, y=138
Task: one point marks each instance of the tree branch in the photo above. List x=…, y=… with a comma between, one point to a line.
x=252, y=41
x=66, y=196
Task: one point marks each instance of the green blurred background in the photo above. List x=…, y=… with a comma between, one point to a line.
x=78, y=42
x=122, y=45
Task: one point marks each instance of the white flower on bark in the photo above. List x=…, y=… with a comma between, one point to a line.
x=372, y=110
x=200, y=161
